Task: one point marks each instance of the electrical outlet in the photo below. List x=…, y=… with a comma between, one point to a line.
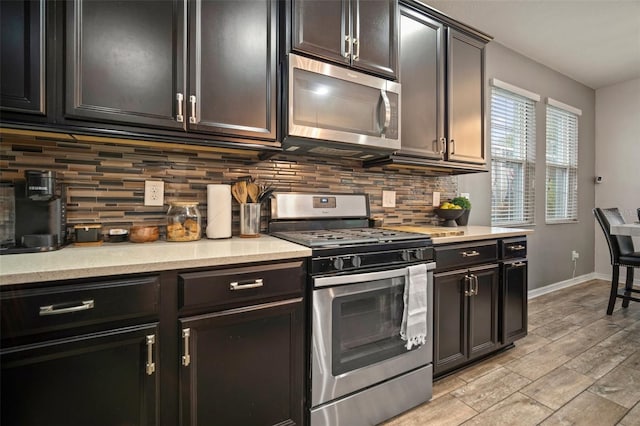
x=153, y=193
x=436, y=199
x=465, y=195
x=575, y=255
x=388, y=198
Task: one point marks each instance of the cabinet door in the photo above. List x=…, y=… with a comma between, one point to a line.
x=483, y=311
x=233, y=67
x=124, y=61
x=98, y=379
x=450, y=320
x=322, y=28
x=22, y=56
x=375, y=29
x=514, y=301
x=244, y=366
x=465, y=99
x=422, y=78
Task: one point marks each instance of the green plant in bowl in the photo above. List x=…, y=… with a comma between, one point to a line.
x=462, y=202
x=465, y=204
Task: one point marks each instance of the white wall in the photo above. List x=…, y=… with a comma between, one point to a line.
x=617, y=159
x=550, y=246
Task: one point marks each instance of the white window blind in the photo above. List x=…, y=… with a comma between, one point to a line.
x=513, y=136
x=562, y=165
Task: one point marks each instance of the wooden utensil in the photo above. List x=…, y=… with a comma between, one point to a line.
x=234, y=192
x=242, y=192
x=254, y=191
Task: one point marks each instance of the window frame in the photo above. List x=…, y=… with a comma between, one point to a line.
x=523, y=126
x=561, y=162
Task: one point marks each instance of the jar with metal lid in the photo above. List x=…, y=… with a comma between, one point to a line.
x=183, y=221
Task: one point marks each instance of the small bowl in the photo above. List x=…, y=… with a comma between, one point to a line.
x=449, y=216
x=143, y=234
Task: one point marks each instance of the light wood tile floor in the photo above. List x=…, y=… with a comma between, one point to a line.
x=577, y=366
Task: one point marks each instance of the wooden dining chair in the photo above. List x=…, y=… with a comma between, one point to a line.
x=622, y=253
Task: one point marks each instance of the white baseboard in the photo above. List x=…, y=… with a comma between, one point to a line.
x=532, y=294
x=562, y=284
x=621, y=278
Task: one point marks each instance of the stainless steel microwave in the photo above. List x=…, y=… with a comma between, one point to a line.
x=340, y=112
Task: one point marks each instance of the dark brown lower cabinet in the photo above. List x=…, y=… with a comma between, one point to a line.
x=514, y=300
x=101, y=379
x=466, y=312
x=243, y=366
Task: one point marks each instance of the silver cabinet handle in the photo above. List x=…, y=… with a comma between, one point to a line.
x=252, y=284
x=179, y=100
x=467, y=286
x=192, y=118
x=51, y=309
x=474, y=291
x=347, y=39
x=443, y=141
x=387, y=111
x=356, y=49
x=453, y=146
x=518, y=264
x=470, y=253
x=186, y=358
x=151, y=366
x=518, y=247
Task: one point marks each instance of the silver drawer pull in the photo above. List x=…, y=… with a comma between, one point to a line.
x=51, y=309
x=518, y=264
x=470, y=253
x=151, y=366
x=251, y=284
x=518, y=247
x=186, y=358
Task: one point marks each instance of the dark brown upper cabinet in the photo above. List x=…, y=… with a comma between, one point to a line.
x=22, y=56
x=360, y=33
x=201, y=66
x=465, y=96
x=442, y=77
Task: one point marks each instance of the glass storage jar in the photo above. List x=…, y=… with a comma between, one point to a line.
x=183, y=221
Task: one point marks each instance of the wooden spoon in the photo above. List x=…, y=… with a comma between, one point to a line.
x=242, y=192
x=254, y=191
x=234, y=192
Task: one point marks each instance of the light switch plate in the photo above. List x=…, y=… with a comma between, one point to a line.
x=436, y=199
x=388, y=198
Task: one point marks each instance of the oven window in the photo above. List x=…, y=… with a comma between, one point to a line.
x=366, y=327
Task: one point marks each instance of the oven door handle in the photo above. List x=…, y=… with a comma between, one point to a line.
x=365, y=276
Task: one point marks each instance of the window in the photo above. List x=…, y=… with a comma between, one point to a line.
x=513, y=136
x=562, y=163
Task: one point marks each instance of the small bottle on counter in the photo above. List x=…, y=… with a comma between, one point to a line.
x=183, y=221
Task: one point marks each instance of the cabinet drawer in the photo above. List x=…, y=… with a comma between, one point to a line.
x=462, y=255
x=232, y=287
x=49, y=308
x=513, y=248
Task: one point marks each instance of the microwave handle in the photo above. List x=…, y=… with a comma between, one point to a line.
x=387, y=111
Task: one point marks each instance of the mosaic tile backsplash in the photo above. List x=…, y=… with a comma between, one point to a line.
x=105, y=181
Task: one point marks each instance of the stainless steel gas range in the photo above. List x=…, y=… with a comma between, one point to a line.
x=364, y=285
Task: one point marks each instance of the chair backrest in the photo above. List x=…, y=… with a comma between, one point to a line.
x=618, y=244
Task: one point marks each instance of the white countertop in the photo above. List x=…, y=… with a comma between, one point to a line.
x=129, y=258
x=475, y=233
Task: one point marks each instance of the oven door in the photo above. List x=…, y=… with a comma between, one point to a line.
x=356, y=332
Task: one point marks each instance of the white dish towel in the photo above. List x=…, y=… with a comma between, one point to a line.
x=414, y=318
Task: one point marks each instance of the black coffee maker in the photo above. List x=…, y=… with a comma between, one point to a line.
x=33, y=214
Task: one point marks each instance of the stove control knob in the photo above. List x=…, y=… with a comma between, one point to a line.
x=338, y=263
x=406, y=255
x=420, y=254
x=356, y=261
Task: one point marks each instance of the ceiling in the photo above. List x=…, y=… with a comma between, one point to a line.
x=595, y=42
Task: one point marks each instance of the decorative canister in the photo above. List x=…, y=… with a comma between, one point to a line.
x=183, y=221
